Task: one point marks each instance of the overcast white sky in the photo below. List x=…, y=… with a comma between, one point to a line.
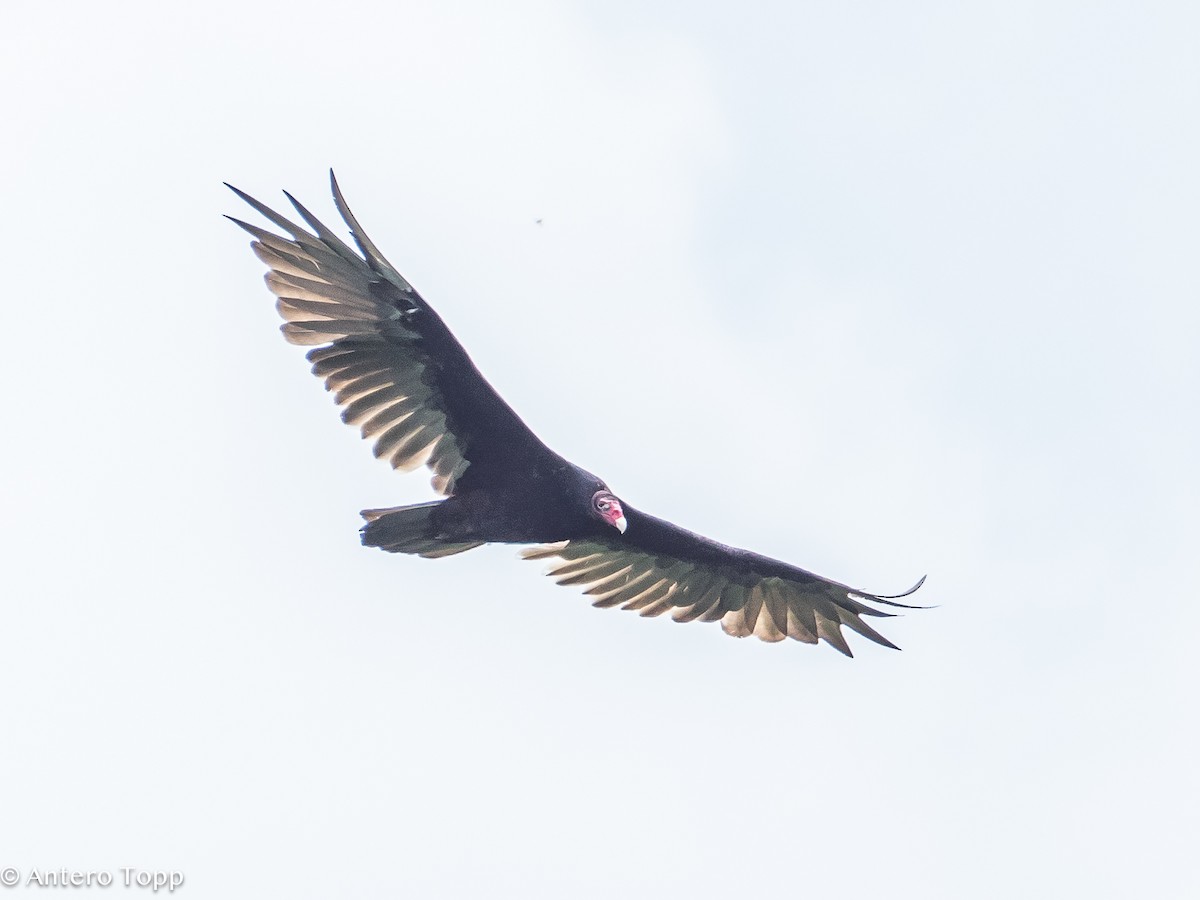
x=880, y=289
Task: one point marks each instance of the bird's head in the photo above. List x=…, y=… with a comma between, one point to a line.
x=608, y=508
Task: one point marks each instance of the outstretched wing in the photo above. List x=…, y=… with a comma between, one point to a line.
x=656, y=566
x=388, y=358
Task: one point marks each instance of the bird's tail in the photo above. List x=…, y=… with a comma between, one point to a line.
x=410, y=529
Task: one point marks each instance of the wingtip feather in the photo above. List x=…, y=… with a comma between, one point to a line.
x=889, y=599
x=911, y=590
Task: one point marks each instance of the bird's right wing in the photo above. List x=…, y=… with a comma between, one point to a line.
x=656, y=566
x=391, y=363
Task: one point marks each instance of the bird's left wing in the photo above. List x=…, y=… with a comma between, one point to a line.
x=656, y=566
x=386, y=355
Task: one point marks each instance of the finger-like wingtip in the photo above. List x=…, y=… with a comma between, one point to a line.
x=889, y=599
x=911, y=590
x=336, y=188
x=245, y=226
x=340, y=202
x=374, y=258
x=297, y=233
x=330, y=239
x=242, y=194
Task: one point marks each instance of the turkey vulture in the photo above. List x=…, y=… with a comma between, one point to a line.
x=406, y=382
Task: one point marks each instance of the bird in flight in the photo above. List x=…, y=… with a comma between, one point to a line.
x=406, y=382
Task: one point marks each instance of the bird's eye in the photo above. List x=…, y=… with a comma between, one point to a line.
x=602, y=504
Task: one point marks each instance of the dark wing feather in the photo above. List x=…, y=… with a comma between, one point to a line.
x=392, y=364
x=656, y=566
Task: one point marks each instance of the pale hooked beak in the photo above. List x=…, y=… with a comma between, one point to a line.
x=615, y=516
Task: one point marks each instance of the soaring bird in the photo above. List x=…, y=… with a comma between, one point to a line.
x=403, y=379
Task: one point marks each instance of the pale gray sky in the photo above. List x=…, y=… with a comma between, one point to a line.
x=893, y=290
